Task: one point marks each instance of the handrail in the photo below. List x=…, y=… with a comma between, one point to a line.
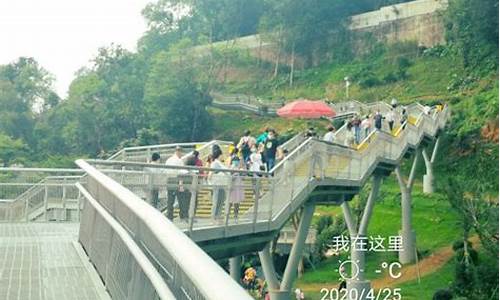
x=206, y=275
x=46, y=170
x=170, y=167
x=146, y=266
x=280, y=164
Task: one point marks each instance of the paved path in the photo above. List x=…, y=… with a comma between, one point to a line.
x=42, y=261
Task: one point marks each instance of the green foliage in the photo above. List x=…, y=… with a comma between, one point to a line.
x=11, y=150
x=323, y=222
x=177, y=101
x=472, y=30
x=325, y=236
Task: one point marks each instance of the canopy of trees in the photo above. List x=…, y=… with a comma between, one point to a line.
x=160, y=93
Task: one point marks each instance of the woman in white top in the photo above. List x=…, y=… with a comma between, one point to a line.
x=218, y=179
x=366, y=125
x=255, y=160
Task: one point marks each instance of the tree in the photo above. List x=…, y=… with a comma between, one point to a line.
x=176, y=98
x=11, y=150
x=480, y=215
x=25, y=93
x=472, y=30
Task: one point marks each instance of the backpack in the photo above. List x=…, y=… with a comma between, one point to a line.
x=245, y=147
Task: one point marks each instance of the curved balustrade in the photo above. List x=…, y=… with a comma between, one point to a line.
x=188, y=271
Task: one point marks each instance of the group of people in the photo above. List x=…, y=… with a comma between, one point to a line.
x=178, y=180
x=360, y=128
x=220, y=171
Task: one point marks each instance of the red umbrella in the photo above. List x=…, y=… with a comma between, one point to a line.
x=306, y=109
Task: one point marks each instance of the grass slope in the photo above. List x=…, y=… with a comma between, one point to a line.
x=433, y=219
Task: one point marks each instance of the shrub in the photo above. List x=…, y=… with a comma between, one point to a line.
x=369, y=82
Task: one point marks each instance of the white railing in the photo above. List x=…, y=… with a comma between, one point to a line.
x=188, y=271
x=28, y=193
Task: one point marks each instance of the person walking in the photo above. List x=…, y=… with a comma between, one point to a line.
x=311, y=132
x=378, y=120
x=255, y=164
x=349, y=137
x=236, y=193
x=218, y=179
x=193, y=161
x=263, y=136
x=366, y=125
x=404, y=116
x=390, y=117
x=245, y=145
x=270, y=149
x=356, y=123
x=173, y=182
x=154, y=190
x=330, y=134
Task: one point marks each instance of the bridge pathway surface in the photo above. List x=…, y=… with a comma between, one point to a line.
x=43, y=261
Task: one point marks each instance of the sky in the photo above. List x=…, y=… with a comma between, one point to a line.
x=64, y=35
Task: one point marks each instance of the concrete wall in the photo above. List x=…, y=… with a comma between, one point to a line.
x=418, y=21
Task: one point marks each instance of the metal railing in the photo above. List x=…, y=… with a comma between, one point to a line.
x=143, y=281
x=245, y=103
x=143, y=153
x=187, y=270
x=27, y=194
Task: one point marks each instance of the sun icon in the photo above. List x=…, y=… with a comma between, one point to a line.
x=345, y=265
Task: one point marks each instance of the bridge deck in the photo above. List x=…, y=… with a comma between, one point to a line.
x=43, y=261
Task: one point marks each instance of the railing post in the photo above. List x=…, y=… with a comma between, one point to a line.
x=64, y=200
x=192, y=203
x=26, y=209
x=272, y=190
x=78, y=205
x=46, y=202
x=227, y=204
x=256, y=203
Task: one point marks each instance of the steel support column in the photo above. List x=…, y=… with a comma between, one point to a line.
x=358, y=281
x=428, y=182
x=407, y=254
x=235, y=268
x=281, y=291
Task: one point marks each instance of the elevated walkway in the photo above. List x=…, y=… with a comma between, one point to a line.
x=122, y=234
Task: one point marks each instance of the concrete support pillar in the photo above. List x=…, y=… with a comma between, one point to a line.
x=428, y=181
x=298, y=246
x=282, y=291
x=408, y=253
x=358, y=281
x=235, y=268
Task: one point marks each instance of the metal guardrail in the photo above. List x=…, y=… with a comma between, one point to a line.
x=245, y=103
x=145, y=281
x=188, y=271
x=28, y=193
x=143, y=153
